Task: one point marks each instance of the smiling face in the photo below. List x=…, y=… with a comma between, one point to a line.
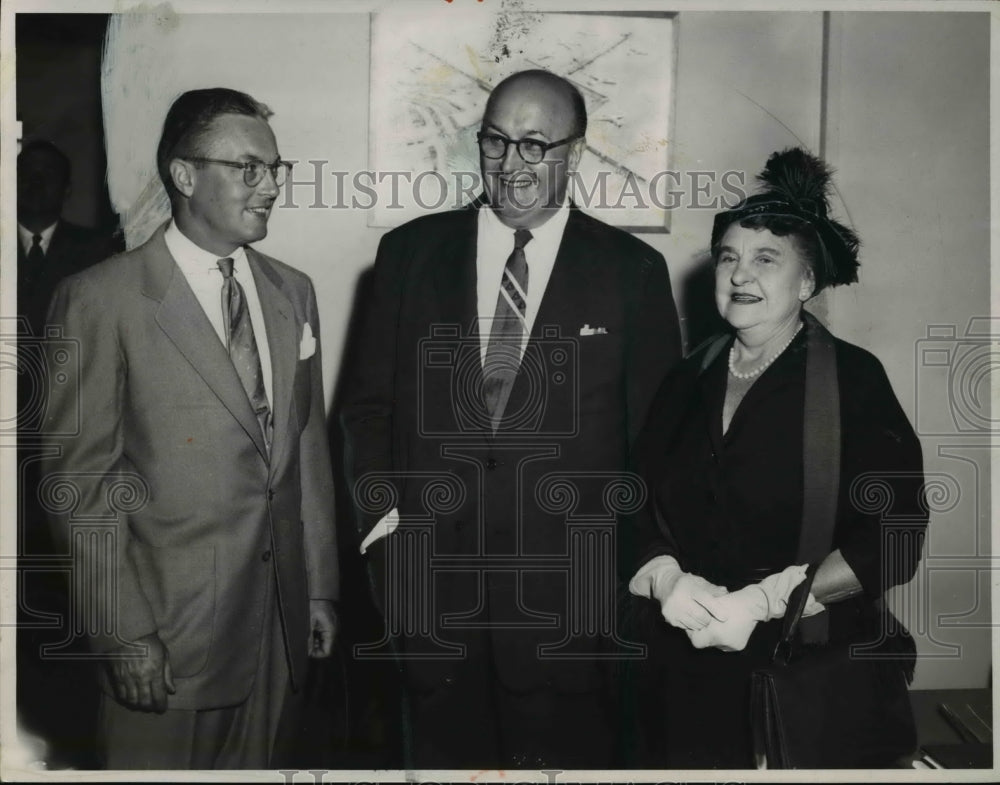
x=761, y=280
x=523, y=195
x=215, y=208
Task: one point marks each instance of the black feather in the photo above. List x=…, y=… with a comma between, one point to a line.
x=800, y=178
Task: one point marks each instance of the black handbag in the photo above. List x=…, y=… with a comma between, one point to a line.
x=830, y=706
x=820, y=705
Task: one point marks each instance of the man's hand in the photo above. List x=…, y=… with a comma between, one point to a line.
x=322, y=628
x=143, y=682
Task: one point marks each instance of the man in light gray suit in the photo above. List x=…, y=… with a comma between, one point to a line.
x=200, y=384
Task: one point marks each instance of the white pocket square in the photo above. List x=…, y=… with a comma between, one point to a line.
x=307, y=347
x=588, y=330
x=387, y=524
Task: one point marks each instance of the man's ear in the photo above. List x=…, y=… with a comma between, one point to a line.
x=576, y=153
x=182, y=175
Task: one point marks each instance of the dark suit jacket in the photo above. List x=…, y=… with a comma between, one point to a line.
x=72, y=249
x=167, y=444
x=413, y=415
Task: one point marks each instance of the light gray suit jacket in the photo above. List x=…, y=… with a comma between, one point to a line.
x=173, y=504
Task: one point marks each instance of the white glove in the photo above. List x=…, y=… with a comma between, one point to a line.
x=683, y=597
x=778, y=587
x=739, y=611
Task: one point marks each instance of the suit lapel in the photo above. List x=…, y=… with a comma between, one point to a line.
x=570, y=284
x=282, y=340
x=455, y=282
x=455, y=274
x=57, y=242
x=182, y=318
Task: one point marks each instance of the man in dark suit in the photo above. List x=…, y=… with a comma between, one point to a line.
x=509, y=353
x=199, y=467
x=49, y=247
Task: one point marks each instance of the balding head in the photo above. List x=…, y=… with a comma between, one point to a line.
x=546, y=109
x=562, y=95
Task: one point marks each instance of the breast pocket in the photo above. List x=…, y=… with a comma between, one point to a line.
x=179, y=584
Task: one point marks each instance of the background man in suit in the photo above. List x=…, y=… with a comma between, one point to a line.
x=199, y=390
x=461, y=442
x=49, y=247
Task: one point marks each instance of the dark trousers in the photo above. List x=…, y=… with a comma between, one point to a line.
x=476, y=723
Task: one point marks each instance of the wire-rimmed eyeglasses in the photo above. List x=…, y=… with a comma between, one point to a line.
x=253, y=171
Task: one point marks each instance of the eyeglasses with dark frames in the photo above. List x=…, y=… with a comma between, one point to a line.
x=532, y=151
x=253, y=171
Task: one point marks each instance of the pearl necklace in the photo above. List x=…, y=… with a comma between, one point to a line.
x=763, y=366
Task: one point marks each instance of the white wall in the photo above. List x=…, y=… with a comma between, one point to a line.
x=908, y=134
x=906, y=128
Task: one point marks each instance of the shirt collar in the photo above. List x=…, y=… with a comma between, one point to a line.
x=549, y=234
x=28, y=237
x=191, y=257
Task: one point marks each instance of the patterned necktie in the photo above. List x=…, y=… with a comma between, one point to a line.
x=503, y=352
x=243, y=347
x=36, y=255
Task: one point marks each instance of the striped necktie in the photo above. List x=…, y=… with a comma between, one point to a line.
x=243, y=347
x=503, y=352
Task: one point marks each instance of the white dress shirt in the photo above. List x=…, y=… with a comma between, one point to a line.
x=494, y=244
x=28, y=237
x=201, y=269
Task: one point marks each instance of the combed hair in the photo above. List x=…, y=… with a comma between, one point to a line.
x=189, y=119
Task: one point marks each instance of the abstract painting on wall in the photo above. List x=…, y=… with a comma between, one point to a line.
x=430, y=79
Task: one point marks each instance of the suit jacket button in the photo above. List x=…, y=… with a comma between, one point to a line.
x=491, y=463
x=266, y=556
x=270, y=494
x=449, y=680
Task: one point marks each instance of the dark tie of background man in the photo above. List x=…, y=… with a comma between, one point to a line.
x=35, y=254
x=243, y=347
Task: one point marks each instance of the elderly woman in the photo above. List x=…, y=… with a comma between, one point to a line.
x=722, y=455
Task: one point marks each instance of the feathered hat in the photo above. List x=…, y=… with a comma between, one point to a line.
x=796, y=185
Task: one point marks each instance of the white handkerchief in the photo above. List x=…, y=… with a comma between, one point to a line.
x=386, y=526
x=307, y=348
x=588, y=330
